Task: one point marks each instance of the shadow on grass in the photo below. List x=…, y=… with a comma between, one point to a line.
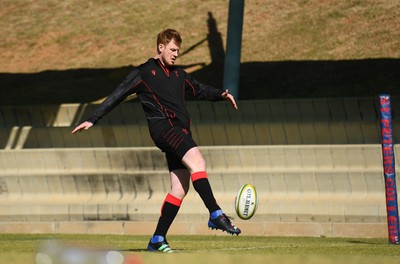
x=258, y=80
x=368, y=242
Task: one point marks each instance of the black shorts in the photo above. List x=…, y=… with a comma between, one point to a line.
x=175, y=142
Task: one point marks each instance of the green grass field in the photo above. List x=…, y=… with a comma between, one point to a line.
x=77, y=51
x=16, y=248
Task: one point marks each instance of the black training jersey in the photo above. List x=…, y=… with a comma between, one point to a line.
x=161, y=91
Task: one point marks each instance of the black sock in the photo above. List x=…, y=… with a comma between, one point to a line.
x=203, y=188
x=169, y=211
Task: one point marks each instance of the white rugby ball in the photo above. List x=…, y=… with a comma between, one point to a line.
x=246, y=202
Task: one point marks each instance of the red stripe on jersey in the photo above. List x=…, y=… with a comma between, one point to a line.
x=133, y=87
x=178, y=143
x=194, y=91
x=165, y=69
x=174, y=141
x=169, y=131
x=158, y=102
x=154, y=96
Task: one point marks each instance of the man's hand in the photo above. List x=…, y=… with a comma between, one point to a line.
x=84, y=126
x=228, y=97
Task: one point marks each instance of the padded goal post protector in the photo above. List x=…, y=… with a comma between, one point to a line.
x=389, y=168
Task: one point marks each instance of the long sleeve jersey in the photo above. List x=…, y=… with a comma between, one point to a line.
x=161, y=91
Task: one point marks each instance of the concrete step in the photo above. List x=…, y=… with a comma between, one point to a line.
x=294, y=133
x=287, y=158
x=263, y=122
x=277, y=110
x=303, y=183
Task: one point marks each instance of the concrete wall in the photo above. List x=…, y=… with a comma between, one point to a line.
x=316, y=164
x=289, y=110
x=266, y=122
x=301, y=188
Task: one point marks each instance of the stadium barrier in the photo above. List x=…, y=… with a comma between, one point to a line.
x=264, y=122
x=252, y=111
x=317, y=190
x=316, y=163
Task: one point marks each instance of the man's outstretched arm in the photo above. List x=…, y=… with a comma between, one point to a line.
x=127, y=87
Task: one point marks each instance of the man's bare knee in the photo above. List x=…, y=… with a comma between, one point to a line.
x=194, y=161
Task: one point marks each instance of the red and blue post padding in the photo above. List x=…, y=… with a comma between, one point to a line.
x=389, y=169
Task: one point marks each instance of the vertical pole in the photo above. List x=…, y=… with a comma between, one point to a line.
x=389, y=169
x=233, y=47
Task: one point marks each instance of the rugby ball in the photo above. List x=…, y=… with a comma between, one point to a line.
x=246, y=202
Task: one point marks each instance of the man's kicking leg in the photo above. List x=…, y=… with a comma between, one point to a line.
x=194, y=161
